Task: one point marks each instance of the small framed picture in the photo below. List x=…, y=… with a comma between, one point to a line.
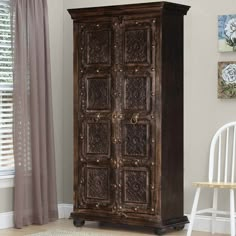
x=227, y=79
x=227, y=33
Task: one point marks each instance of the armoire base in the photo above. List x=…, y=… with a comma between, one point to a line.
x=160, y=227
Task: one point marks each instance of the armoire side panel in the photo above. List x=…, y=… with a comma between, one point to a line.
x=172, y=117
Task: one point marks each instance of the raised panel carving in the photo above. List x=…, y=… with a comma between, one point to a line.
x=137, y=46
x=98, y=183
x=137, y=93
x=136, y=188
x=135, y=142
x=98, y=138
x=98, y=93
x=98, y=47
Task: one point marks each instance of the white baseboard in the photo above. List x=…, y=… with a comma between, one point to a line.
x=6, y=220
x=202, y=223
x=64, y=210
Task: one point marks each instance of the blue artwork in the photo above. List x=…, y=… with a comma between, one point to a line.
x=227, y=33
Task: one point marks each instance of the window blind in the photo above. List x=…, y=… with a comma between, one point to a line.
x=6, y=91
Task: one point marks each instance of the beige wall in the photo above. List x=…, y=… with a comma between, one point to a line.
x=55, y=12
x=204, y=113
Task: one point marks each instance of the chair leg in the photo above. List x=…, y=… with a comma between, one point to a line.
x=215, y=201
x=232, y=213
x=194, y=210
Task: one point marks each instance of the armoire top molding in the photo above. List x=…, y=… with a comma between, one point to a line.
x=127, y=9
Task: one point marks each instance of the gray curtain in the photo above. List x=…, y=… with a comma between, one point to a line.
x=35, y=199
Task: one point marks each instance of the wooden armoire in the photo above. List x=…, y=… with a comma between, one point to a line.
x=128, y=115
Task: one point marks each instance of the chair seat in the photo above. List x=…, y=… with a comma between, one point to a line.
x=215, y=185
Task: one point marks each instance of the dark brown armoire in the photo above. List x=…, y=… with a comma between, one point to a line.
x=128, y=115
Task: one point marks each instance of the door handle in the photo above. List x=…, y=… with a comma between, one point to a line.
x=134, y=118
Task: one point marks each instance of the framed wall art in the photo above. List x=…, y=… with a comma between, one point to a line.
x=227, y=79
x=227, y=33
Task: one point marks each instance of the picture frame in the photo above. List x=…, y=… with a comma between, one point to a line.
x=227, y=33
x=227, y=79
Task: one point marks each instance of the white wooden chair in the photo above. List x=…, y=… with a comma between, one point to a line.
x=221, y=175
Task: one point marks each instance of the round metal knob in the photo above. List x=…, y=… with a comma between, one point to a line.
x=97, y=161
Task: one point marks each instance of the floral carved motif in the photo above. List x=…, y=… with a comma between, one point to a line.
x=136, y=140
x=98, y=138
x=136, y=186
x=230, y=32
x=98, y=47
x=136, y=93
x=136, y=46
x=98, y=94
x=97, y=183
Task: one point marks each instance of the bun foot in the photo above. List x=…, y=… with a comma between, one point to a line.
x=78, y=222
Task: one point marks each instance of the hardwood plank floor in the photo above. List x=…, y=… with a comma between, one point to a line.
x=116, y=230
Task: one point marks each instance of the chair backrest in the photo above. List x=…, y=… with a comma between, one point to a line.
x=222, y=154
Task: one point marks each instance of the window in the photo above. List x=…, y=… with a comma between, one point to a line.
x=6, y=89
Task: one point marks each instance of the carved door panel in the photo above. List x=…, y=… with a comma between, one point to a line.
x=137, y=170
x=137, y=128
x=95, y=128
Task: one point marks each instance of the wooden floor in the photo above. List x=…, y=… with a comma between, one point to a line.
x=92, y=227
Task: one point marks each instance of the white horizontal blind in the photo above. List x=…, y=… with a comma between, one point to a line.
x=6, y=89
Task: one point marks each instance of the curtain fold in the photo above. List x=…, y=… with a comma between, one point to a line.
x=35, y=199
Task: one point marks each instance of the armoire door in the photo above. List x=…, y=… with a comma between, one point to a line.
x=96, y=103
x=137, y=128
